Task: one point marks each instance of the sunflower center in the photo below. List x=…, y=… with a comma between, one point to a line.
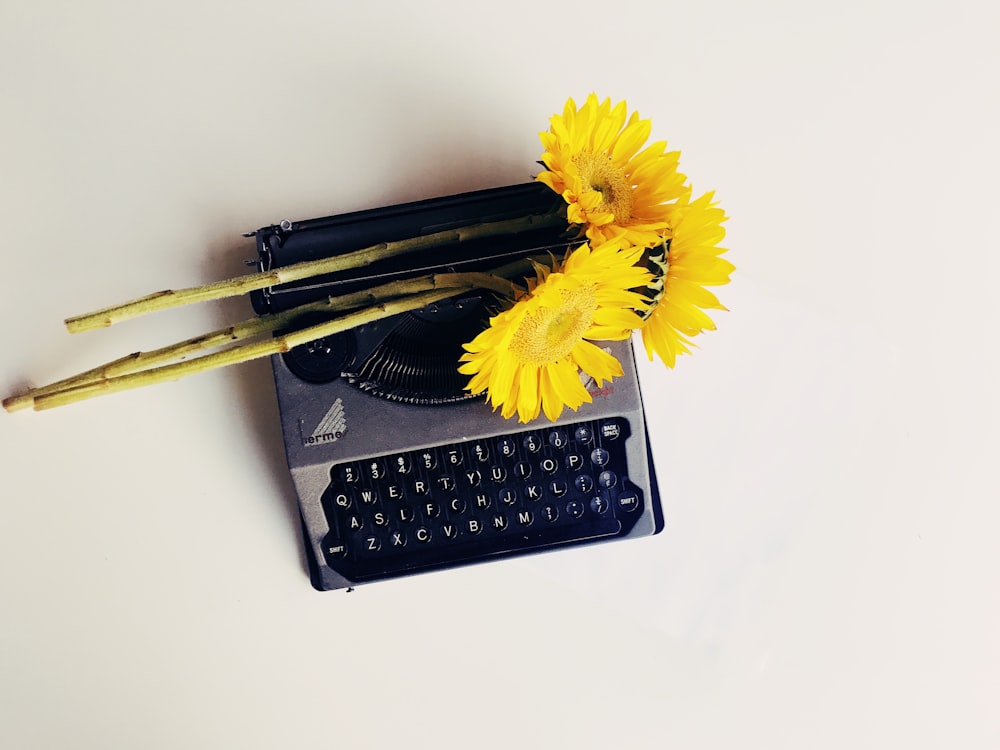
x=600, y=174
x=549, y=333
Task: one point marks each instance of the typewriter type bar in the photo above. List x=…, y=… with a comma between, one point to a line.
x=398, y=471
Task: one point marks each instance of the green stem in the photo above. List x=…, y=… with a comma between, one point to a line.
x=359, y=258
x=139, y=361
x=240, y=353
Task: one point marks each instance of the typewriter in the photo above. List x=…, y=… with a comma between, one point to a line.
x=398, y=469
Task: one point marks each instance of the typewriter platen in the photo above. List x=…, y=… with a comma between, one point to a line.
x=399, y=470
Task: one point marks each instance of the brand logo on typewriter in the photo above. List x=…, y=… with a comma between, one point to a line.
x=331, y=427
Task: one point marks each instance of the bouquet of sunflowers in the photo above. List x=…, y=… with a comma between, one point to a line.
x=647, y=251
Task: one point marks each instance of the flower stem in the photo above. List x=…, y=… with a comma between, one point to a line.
x=240, y=353
x=359, y=258
x=142, y=361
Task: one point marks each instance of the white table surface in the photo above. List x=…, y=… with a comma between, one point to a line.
x=829, y=573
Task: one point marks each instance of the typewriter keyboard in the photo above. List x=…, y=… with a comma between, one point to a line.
x=499, y=495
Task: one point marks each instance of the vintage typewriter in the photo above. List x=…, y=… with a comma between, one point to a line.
x=398, y=469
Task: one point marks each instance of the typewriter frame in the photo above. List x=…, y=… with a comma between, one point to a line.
x=403, y=426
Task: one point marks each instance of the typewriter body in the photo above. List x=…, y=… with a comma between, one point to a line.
x=398, y=469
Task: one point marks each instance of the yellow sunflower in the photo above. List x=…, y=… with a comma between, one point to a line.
x=529, y=358
x=693, y=263
x=611, y=187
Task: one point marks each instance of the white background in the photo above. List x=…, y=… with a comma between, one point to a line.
x=828, y=576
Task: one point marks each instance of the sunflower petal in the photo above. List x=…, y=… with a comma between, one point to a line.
x=596, y=362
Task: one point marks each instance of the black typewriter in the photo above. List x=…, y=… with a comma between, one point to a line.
x=398, y=469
